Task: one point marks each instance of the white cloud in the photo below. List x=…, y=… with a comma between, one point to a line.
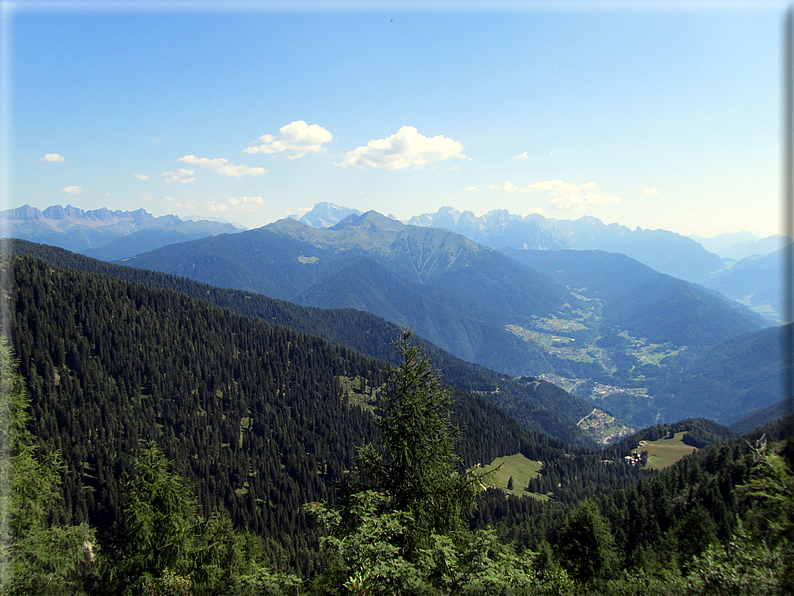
x=73, y=190
x=245, y=200
x=406, y=149
x=472, y=189
x=239, y=204
x=140, y=176
x=178, y=204
x=53, y=158
x=651, y=192
x=521, y=157
x=565, y=194
x=296, y=139
x=222, y=167
x=181, y=175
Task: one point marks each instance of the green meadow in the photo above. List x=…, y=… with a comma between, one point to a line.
x=517, y=467
x=665, y=452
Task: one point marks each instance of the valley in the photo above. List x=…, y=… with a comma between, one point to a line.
x=396, y=299
x=267, y=407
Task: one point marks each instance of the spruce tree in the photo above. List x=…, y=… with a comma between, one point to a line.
x=414, y=463
x=35, y=556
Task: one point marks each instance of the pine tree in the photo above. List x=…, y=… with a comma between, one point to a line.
x=35, y=557
x=586, y=544
x=415, y=463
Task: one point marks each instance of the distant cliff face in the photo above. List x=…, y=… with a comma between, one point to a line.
x=83, y=231
x=326, y=215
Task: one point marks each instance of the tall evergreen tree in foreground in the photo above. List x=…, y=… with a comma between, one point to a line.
x=35, y=556
x=401, y=526
x=415, y=463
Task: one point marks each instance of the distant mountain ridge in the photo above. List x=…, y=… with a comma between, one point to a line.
x=411, y=275
x=326, y=215
x=741, y=245
x=667, y=252
x=103, y=233
x=757, y=285
x=638, y=329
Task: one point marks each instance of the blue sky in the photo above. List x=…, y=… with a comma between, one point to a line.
x=659, y=117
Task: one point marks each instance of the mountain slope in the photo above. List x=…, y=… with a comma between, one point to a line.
x=441, y=275
x=664, y=251
x=260, y=418
x=439, y=313
x=645, y=302
x=756, y=281
x=539, y=406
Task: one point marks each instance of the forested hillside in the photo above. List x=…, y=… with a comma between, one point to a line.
x=254, y=414
x=618, y=323
x=676, y=533
x=538, y=405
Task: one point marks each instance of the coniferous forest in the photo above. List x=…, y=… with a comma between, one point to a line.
x=163, y=440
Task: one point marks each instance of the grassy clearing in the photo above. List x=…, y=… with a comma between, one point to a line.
x=521, y=469
x=665, y=452
x=358, y=392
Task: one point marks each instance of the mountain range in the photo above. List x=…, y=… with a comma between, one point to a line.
x=260, y=419
x=757, y=286
x=599, y=324
x=102, y=233
x=602, y=325
x=741, y=245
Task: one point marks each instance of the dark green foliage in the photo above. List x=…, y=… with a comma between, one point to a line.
x=586, y=547
x=36, y=556
x=168, y=547
x=161, y=513
x=251, y=414
x=414, y=462
x=538, y=406
x=695, y=533
x=252, y=417
x=400, y=529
